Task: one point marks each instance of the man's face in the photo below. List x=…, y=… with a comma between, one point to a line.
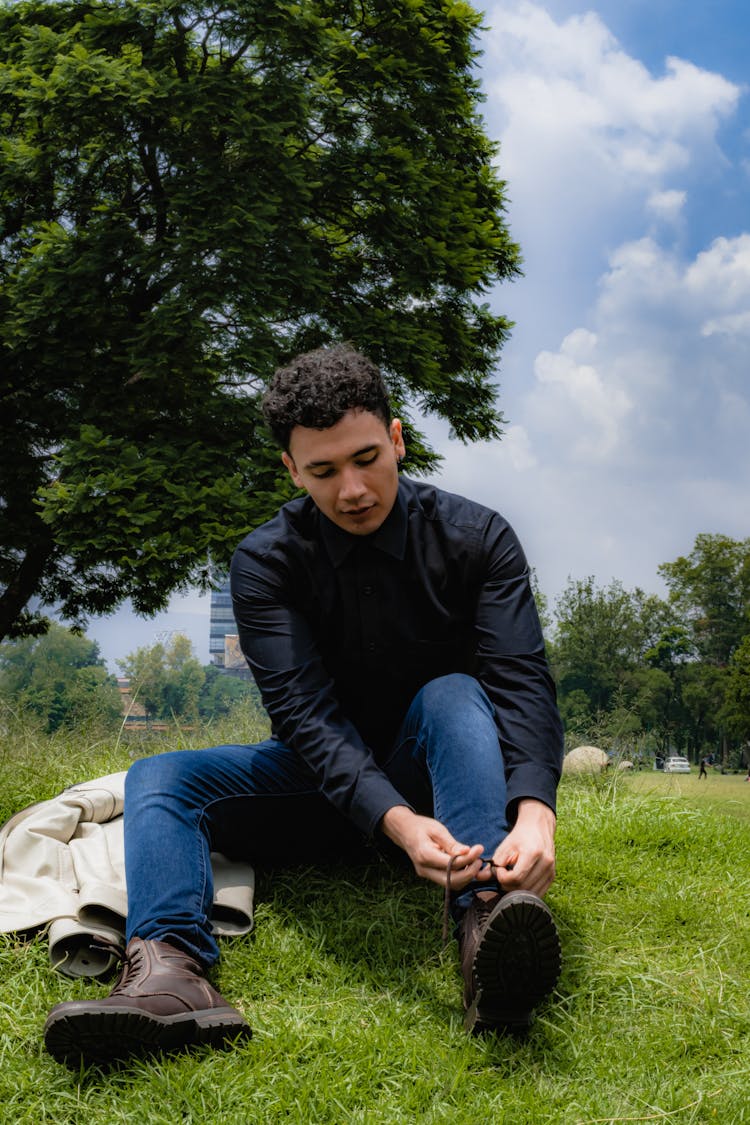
x=350, y=470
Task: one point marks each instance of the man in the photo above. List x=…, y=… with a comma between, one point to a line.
x=392, y=631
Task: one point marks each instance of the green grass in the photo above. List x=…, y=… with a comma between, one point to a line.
x=727, y=794
x=355, y=1008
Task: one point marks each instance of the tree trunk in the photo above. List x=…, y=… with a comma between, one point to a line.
x=22, y=587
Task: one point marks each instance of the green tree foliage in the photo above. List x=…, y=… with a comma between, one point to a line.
x=221, y=693
x=710, y=592
x=165, y=678
x=616, y=655
x=673, y=673
x=600, y=637
x=190, y=194
x=736, y=709
x=60, y=679
x=701, y=687
x=710, y=589
x=170, y=683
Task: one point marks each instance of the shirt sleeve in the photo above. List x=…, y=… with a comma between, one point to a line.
x=512, y=667
x=300, y=697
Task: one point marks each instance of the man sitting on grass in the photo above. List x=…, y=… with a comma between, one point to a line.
x=391, y=629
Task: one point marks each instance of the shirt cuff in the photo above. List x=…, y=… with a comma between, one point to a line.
x=371, y=804
x=533, y=782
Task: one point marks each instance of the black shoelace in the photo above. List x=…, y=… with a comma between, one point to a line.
x=447, y=897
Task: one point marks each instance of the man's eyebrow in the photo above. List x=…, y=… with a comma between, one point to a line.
x=352, y=456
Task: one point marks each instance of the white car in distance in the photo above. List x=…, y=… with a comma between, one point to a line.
x=676, y=764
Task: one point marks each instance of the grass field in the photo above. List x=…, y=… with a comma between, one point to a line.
x=355, y=1008
x=727, y=794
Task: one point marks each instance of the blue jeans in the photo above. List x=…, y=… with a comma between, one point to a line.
x=261, y=803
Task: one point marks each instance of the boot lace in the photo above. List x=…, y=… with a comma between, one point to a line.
x=128, y=962
x=483, y=907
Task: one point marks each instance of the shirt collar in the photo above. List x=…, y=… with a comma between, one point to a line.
x=390, y=538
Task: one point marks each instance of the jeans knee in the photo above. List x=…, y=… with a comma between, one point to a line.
x=453, y=693
x=136, y=778
x=159, y=772
x=453, y=700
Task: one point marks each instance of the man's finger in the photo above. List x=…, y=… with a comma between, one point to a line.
x=463, y=855
x=457, y=878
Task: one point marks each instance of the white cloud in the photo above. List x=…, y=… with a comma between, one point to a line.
x=571, y=84
x=719, y=279
x=633, y=430
x=516, y=447
x=591, y=140
x=639, y=427
x=666, y=205
x=650, y=291
x=639, y=271
x=575, y=395
x=654, y=318
x=625, y=376
x=734, y=324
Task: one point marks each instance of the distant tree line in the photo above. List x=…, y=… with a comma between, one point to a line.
x=636, y=673
x=640, y=672
x=59, y=680
x=170, y=683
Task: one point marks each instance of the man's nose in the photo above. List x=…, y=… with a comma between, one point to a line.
x=351, y=486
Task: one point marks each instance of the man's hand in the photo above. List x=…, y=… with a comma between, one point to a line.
x=526, y=858
x=430, y=846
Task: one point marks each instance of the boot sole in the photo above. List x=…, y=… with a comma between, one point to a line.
x=119, y=1032
x=517, y=964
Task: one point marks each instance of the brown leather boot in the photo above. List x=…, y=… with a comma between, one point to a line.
x=161, y=1002
x=510, y=960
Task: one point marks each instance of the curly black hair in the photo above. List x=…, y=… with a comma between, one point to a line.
x=317, y=389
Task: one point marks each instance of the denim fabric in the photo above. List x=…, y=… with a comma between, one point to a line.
x=262, y=803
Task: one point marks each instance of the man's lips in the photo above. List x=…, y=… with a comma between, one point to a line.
x=358, y=511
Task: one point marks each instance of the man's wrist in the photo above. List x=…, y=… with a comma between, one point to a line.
x=530, y=808
x=395, y=820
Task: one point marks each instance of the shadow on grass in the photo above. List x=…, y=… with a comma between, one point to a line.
x=378, y=927
x=338, y=948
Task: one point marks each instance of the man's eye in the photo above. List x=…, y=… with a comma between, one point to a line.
x=367, y=460
x=324, y=474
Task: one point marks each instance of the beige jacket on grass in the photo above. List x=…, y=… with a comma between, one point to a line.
x=62, y=866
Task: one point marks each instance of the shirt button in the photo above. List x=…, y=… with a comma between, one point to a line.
x=371, y=646
x=367, y=590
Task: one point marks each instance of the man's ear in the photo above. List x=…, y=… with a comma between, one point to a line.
x=397, y=437
x=292, y=468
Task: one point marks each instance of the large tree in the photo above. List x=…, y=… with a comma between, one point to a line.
x=615, y=655
x=600, y=637
x=190, y=194
x=710, y=589
x=736, y=710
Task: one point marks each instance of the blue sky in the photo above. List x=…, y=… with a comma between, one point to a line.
x=625, y=143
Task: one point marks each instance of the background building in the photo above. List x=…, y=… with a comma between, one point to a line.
x=223, y=645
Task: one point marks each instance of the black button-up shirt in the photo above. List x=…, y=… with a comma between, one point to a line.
x=341, y=631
